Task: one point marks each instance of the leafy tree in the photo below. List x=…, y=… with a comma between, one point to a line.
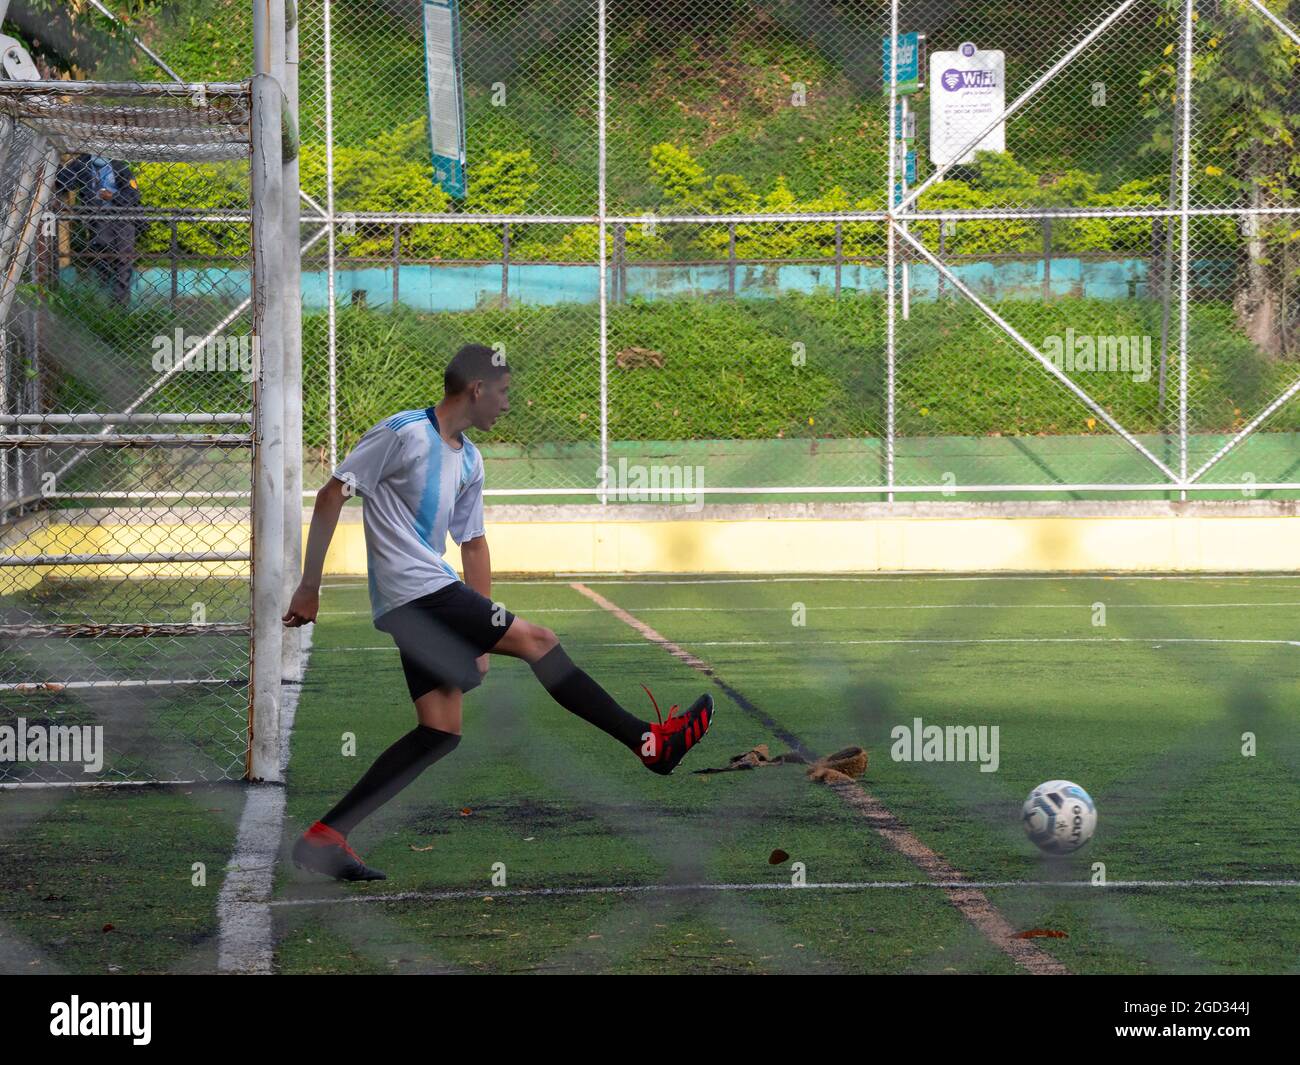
x=1245, y=122
x=73, y=38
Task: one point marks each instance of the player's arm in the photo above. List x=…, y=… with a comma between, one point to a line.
x=376, y=455
x=477, y=565
x=324, y=519
x=467, y=530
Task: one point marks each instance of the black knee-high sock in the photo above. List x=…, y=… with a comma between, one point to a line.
x=393, y=770
x=579, y=694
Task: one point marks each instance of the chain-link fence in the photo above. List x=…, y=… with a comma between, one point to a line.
x=126, y=378
x=726, y=254
x=677, y=226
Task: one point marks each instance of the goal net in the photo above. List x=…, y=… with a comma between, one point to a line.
x=127, y=381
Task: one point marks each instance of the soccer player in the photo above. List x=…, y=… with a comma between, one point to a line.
x=419, y=478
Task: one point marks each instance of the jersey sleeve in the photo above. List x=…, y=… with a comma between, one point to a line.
x=376, y=455
x=467, y=515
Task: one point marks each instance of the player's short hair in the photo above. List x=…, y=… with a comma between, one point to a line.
x=474, y=362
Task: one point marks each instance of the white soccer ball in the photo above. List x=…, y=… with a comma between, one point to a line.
x=1059, y=816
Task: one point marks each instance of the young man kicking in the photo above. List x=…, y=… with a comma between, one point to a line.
x=420, y=478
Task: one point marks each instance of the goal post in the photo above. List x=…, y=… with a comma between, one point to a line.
x=269, y=316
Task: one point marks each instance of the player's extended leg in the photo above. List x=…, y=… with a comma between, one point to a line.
x=659, y=745
x=323, y=848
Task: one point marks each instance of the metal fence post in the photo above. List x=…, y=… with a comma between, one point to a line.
x=1184, y=95
x=620, y=262
x=602, y=480
x=268, y=408
x=892, y=157
x=331, y=311
x=943, y=253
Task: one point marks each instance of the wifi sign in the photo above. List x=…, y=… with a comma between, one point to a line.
x=954, y=79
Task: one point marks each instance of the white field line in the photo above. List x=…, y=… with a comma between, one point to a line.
x=855, y=885
x=813, y=640
x=900, y=578
x=971, y=903
x=245, y=935
x=867, y=607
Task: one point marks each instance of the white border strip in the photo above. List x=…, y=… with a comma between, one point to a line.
x=859, y=885
x=896, y=578
x=245, y=937
x=907, y=641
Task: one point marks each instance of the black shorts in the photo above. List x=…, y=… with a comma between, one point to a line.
x=442, y=634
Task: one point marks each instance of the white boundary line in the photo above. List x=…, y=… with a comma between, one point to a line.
x=902, y=577
x=872, y=607
x=245, y=935
x=858, y=885
x=814, y=640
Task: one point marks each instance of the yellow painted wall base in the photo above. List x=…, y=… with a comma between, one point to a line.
x=1004, y=538
x=957, y=544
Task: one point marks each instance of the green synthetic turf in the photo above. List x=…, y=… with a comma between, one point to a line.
x=1153, y=728
x=183, y=732
x=114, y=880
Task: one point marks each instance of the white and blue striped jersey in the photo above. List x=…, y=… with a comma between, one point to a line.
x=415, y=489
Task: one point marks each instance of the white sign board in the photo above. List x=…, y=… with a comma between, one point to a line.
x=967, y=91
x=446, y=94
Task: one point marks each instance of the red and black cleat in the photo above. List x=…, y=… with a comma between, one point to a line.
x=323, y=850
x=670, y=740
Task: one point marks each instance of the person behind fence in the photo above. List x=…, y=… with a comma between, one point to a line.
x=105, y=187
